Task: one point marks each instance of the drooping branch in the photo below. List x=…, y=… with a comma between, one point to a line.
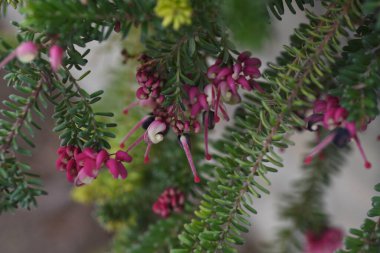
x=223, y=225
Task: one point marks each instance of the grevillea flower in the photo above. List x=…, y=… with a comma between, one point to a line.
x=83, y=166
x=55, y=57
x=327, y=242
x=330, y=115
x=25, y=52
x=207, y=103
x=171, y=200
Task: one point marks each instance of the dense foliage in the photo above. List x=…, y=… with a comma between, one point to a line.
x=183, y=56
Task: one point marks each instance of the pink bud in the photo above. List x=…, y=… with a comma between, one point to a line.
x=55, y=57
x=123, y=156
x=243, y=56
x=255, y=62
x=26, y=51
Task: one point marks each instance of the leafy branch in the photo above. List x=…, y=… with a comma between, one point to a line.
x=223, y=211
x=18, y=186
x=367, y=238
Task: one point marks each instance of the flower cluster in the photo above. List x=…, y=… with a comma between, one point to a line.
x=328, y=242
x=171, y=200
x=177, y=12
x=27, y=51
x=83, y=166
x=328, y=113
x=205, y=102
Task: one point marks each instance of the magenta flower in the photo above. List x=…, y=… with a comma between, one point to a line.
x=83, y=166
x=205, y=102
x=327, y=242
x=330, y=115
x=171, y=200
x=55, y=57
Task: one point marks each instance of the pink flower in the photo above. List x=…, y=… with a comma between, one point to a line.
x=171, y=200
x=205, y=102
x=25, y=52
x=327, y=242
x=329, y=114
x=83, y=166
x=55, y=57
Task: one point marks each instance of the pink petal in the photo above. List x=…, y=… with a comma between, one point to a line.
x=123, y=156
x=101, y=158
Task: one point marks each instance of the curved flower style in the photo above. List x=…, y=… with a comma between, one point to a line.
x=330, y=115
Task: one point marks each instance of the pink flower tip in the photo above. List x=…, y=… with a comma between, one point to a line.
x=26, y=51
x=125, y=111
x=197, y=179
x=146, y=159
x=55, y=57
x=208, y=157
x=122, y=145
x=368, y=165
x=308, y=160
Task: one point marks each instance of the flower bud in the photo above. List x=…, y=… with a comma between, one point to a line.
x=26, y=51
x=55, y=57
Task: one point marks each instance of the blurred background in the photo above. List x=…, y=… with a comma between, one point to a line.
x=60, y=225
